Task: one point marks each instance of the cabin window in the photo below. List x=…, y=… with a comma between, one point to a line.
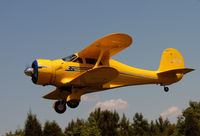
x=78, y=60
x=92, y=61
x=69, y=58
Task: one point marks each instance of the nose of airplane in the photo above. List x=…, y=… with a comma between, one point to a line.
x=28, y=71
x=41, y=71
x=32, y=71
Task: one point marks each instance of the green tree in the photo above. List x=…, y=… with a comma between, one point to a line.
x=32, y=126
x=83, y=128
x=162, y=125
x=18, y=132
x=90, y=128
x=192, y=119
x=73, y=128
x=52, y=129
x=154, y=131
x=125, y=128
x=140, y=125
x=107, y=121
x=180, y=126
x=9, y=134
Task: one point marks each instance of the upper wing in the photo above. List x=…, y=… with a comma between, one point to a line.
x=109, y=44
x=95, y=77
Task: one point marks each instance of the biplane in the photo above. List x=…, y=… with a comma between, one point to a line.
x=92, y=70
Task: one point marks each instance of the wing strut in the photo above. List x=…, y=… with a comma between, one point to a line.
x=99, y=58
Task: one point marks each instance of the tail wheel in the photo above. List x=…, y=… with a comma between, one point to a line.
x=73, y=104
x=166, y=89
x=60, y=107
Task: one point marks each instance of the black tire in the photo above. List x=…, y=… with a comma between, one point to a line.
x=73, y=104
x=166, y=89
x=60, y=107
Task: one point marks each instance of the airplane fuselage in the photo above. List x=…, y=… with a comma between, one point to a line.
x=59, y=72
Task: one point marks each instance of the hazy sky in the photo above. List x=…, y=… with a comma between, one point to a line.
x=52, y=29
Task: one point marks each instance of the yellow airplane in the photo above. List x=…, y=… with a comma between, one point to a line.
x=92, y=70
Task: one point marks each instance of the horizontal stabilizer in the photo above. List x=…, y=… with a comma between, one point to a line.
x=95, y=77
x=175, y=71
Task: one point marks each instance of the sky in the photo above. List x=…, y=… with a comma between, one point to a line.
x=52, y=29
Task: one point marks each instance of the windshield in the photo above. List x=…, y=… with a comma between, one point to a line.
x=69, y=58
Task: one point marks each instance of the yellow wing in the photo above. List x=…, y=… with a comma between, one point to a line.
x=56, y=94
x=95, y=77
x=90, y=79
x=109, y=45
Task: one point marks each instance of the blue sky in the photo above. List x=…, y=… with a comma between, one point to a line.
x=53, y=29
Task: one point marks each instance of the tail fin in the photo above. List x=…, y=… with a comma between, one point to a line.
x=171, y=68
x=171, y=59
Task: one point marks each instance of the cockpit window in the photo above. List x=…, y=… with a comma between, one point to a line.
x=92, y=61
x=69, y=58
x=78, y=60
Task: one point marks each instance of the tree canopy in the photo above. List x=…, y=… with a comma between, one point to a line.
x=109, y=123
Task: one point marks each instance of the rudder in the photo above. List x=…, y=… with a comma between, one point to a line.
x=171, y=59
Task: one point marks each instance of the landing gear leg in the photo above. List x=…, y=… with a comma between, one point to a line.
x=166, y=89
x=60, y=106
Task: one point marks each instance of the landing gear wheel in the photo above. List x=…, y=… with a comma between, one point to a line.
x=60, y=107
x=166, y=89
x=73, y=104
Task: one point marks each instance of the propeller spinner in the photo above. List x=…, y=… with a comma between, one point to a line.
x=32, y=71
x=29, y=71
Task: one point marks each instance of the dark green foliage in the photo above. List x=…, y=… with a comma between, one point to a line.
x=83, y=128
x=153, y=129
x=108, y=123
x=73, y=128
x=18, y=132
x=52, y=129
x=32, y=126
x=125, y=129
x=164, y=127
x=180, y=125
x=188, y=124
x=9, y=134
x=140, y=125
x=90, y=128
x=192, y=119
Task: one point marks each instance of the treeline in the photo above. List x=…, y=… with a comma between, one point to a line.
x=109, y=123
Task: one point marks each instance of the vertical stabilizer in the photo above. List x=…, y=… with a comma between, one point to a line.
x=171, y=59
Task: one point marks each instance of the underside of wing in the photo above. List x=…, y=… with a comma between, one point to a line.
x=109, y=44
x=95, y=77
x=56, y=94
x=92, y=80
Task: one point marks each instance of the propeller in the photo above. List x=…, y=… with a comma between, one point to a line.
x=32, y=71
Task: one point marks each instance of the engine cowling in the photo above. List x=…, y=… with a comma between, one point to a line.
x=43, y=72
